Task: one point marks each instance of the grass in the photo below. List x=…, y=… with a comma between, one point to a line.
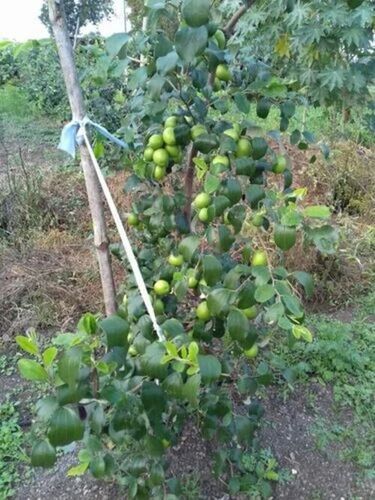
x=342, y=355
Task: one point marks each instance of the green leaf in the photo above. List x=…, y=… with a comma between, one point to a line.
x=191, y=42
x=31, y=370
x=27, y=344
x=191, y=389
x=284, y=236
x=88, y=324
x=264, y=293
x=116, y=330
x=238, y=325
x=212, y=269
x=188, y=246
x=49, y=356
x=211, y=183
x=274, y=313
x=69, y=365
x=245, y=429
x=219, y=300
x=153, y=398
x=325, y=238
x=306, y=280
x=116, y=42
x=210, y=368
x=150, y=361
x=293, y=305
x=300, y=331
x=242, y=103
x=317, y=212
x=167, y=63
x=78, y=470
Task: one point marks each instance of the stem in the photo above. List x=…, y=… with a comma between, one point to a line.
x=228, y=29
x=74, y=91
x=189, y=178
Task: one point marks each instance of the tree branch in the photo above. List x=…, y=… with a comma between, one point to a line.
x=189, y=178
x=228, y=29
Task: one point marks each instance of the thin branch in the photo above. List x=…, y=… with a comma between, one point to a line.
x=228, y=29
x=189, y=178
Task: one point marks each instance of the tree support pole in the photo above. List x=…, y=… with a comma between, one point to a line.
x=74, y=91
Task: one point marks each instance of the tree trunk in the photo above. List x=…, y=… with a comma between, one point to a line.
x=74, y=91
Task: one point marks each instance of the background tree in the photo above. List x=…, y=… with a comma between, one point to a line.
x=79, y=13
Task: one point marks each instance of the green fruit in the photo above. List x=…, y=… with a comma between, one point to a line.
x=133, y=219
x=159, y=173
x=257, y=220
x=280, y=165
x=202, y=200
x=156, y=141
x=252, y=352
x=231, y=132
x=158, y=306
x=169, y=137
x=171, y=121
x=65, y=427
x=197, y=130
x=162, y=287
x=175, y=260
x=222, y=160
x=192, y=282
x=203, y=312
x=173, y=151
x=263, y=108
x=284, y=236
x=243, y=148
x=250, y=312
x=161, y=157
x=97, y=467
x=203, y=215
x=217, y=85
x=220, y=38
x=223, y=73
x=43, y=454
x=196, y=12
x=148, y=154
x=259, y=258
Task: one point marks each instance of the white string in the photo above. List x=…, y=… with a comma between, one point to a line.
x=124, y=238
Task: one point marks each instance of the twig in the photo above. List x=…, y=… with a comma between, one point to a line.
x=228, y=29
x=189, y=178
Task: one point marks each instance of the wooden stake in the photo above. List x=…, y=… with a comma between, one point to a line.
x=74, y=91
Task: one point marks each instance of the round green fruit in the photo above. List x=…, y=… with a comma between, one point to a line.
x=217, y=85
x=175, y=260
x=250, y=312
x=252, y=352
x=43, y=454
x=257, y=220
x=220, y=39
x=173, y=151
x=222, y=160
x=159, y=173
x=196, y=13
x=231, y=132
x=148, y=154
x=162, y=287
x=202, y=200
x=203, y=215
x=169, y=137
x=161, y=157
x=197, y=130
x=280, y=165
x=243, y=148
x=192, y=282
x=203, y=312
x=259, y=258
x=223, y=73
x=171, y=121
x=156, y=141
x=133, y=219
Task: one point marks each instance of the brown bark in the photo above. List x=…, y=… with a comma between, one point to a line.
x=74, y=91
x=189, y=179
x=229, y=27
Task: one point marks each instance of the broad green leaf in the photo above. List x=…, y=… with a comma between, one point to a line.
x=27, y=344
x=188, y=247
x=88, y=324
x=293, y=305
x=49, y=356
x=264, y=293
x=325, y=238
x=306, y=280
x=116, y=42
x=167, y=63
x=300, y=331
x=238, y=325
x=245, y=428
x=219, y=300
x=210, y=368
x=317, y=212
x=191, y=389
x=31, y=370
x=78, y=470
x=190, y=42
x=212, y=269
x=116, y=330
x=211, y=183
x=69, y=365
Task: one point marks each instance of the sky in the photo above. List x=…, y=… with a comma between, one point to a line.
x=19, y=20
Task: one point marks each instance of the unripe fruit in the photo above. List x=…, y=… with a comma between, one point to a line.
x=280, y=165
x=252, y=352
x=257, y=220
x=159, y=173
x=156, y=141
x=169, y=137
x=171, y=121
x=161, y=287
x=223, y=160
x=231, y=132
x=192, y=282
x=173, y=151
x=243, y=148
x=203, y=312
x=223, y=73
x=202, y=200
x=161, y=157
x=175, y=260
x=148, y=154
x=250, y=312
x=203, y=215
x=133, y=219
x=259, y=258
x=197, y=130
x=220, y=39
x=217, y=85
